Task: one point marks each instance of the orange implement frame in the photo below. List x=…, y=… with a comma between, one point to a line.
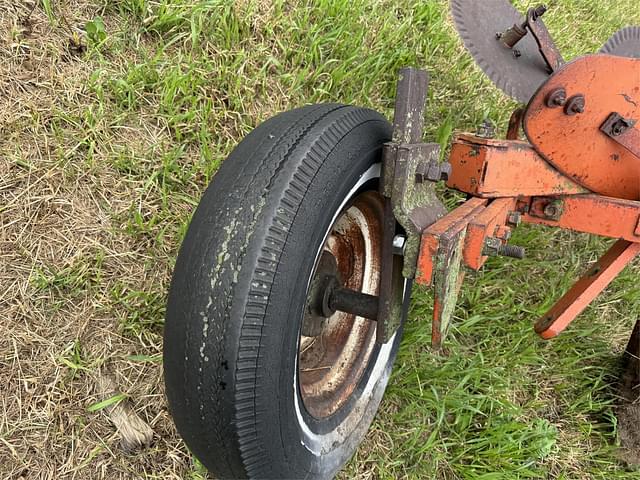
x=587, y=288
x=572, y=141
x=511, y=183
x=503, y=168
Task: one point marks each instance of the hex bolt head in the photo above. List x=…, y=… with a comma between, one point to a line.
x=551, y=210
x=398, y=244
x=575, y=105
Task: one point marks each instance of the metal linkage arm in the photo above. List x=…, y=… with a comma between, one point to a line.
x=587, y=288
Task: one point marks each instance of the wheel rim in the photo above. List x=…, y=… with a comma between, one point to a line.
x=332, y=362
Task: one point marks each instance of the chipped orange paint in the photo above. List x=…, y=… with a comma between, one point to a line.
x=574, y=144
x=503, y=168
x=449, y=225
x=587, y=288
x=482, y=226
x=595, y=214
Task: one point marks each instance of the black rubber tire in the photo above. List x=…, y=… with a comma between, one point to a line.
x=235, y=306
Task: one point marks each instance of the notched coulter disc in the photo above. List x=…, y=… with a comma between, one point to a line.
x=624, y=43
x=519, y=71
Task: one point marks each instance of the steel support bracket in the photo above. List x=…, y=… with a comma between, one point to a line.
x=410, y=200
x=547, y=46
x=406, y=162
x=622, y=131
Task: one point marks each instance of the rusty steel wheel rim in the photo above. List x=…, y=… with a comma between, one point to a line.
x=332, y=363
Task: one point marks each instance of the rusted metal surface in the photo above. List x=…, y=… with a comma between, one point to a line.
x=624, y=132
x=587, y=288
x=515, y=124
x=574, y=143
x=333, y=359
x=415, y=205
x=547, y=46
x=391, y=291
x=503, y=168
x=517, y=71
x=440, y=263
x=447, y=283
x=598, y=215
x=483, y=226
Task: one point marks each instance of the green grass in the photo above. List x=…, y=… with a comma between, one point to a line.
x=169, y=87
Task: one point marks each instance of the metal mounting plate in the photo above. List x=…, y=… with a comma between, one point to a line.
x=477, y=23
x=624, y=43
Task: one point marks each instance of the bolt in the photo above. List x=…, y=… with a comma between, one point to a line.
x=514, y=218
x=513, y=251
x=619, y=129
x=498, y=35
x=575, y=105
x=432, y=171
x=398, y=244
x=539, y=11
x=556, y=98
x=621, y=126
x=517, y=53
x=551, y=211
x=493, y=247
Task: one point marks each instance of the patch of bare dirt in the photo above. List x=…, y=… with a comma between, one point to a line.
x=629, y=411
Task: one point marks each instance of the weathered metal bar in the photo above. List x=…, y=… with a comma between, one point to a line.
x=595, y=214
x=440, y=262
x=586, y=289
x=448, y=226
x=547, y=46
x=390, y=300
x=355, y=303
x=504, y=168
x=411, y=97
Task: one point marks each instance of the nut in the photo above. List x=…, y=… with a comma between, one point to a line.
x=575, y=105
x=556, y=98
x=514, y=218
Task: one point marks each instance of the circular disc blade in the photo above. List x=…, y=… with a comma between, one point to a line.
x=477, y=23
x=624, y=43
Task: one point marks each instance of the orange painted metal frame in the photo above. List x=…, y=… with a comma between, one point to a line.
x=445, y=228
x=507, y=178
x=576, y=173
x=503, y=168
x=587, y=288
x=595, y=214
x=573, y=143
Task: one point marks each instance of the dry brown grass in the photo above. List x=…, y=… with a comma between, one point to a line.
x=91, y=214
x=61, y=256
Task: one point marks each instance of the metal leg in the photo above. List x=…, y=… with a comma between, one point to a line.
x=586, y=289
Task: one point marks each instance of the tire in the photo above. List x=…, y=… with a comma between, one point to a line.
x=233, y=356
